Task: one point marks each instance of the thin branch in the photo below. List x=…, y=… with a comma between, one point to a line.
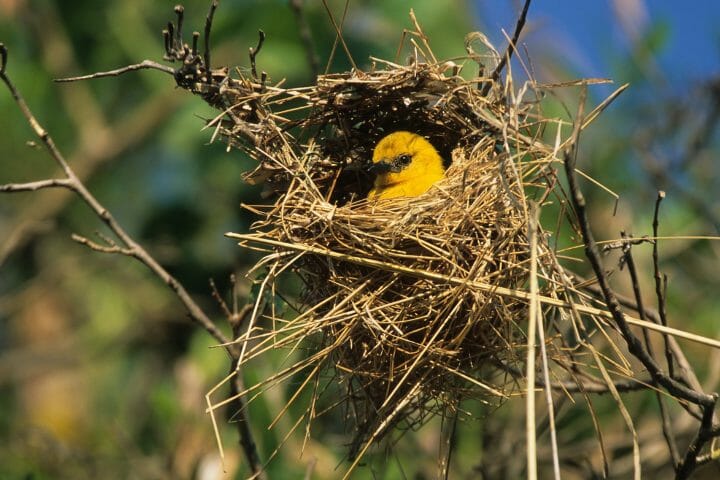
x=180, y=11
x=591, y=251
x=659, y=283
x=3, y=58
x=306, y=37
x=339, y=33
x=208, y=28
x=705, y=433
x=684, y=371
x=73, y=182
x=102, y=248
x=144, y=65
x=678, y=390
x=253, y=52
x=635, y=281
x=38, y=185
x=237, y=385
x=510, y=49
x=129, y=246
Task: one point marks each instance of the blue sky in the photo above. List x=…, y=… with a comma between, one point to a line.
x=591, y=34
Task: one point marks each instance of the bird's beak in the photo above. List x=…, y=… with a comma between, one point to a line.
x=382, y=166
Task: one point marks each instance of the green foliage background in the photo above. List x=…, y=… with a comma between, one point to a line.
x=101, y=373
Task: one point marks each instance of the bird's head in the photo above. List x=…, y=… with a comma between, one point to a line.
x=404, y=156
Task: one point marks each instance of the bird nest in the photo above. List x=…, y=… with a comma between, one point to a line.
x=409, y=305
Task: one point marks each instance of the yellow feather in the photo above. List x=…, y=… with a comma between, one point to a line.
x=424, y=169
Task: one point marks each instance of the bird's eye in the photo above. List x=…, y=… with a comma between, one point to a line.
x=404, y=159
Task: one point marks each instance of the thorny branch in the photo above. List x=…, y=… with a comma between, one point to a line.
x=682, y=392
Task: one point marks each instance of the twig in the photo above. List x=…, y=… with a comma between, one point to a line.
x=253, y=52
x=635, y=281
x=73, y=183
x=339, y=35
x=306, y=37
x=39, y=185
x=174, y=47
x=3, y=58
x=208, y=28
x=593, y=255
x=180, y=11
x=144, y=65
x=510, y=49
x=102, y=248
x=660, y=284
x=704, y=434
x=682, y=392
x=660, y=294
x=684, y=371
x=237, y=385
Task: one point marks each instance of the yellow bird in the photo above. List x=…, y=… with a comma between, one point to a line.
x=406, y=165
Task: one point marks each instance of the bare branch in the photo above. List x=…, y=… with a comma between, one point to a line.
x=705, y=433
x=144, y=65
x=38, y=185
x=73, y=182
x=180, y=11
x=237, y=321
x=510, y=49
x=253, y=52
x=635, y=281
x=102, y=248
x=338, y=32
x=208, y=28
x=659, y=283
x=3, y=58
x=306, y=37
x=680, y=391
x=593, y=255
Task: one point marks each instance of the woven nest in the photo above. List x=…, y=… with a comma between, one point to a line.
x=410, y=305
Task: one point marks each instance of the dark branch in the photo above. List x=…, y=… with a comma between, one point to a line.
x=510, y=49
x=635, y=281
x=306, y=37
x=208, y=29
x=253, y=52
x=660, y=284
x=678, y=390
x=238, y=321
x=3, y=58
x=591, y=251
x=705, y=433
x=180, y=11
